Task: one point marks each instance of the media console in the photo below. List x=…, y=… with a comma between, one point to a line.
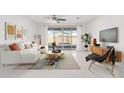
x=101, y=51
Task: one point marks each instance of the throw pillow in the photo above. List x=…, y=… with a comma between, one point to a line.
x=27, y=46
x=21, y=45
x=14, y=47
x=31, y=45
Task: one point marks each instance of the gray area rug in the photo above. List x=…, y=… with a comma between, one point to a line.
x=67, y=63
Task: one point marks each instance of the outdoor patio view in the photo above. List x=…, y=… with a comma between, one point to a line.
x=65, y=38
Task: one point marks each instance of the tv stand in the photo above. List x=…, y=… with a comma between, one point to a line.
x=101, y=51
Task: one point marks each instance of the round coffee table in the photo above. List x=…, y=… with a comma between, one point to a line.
x=54, y=56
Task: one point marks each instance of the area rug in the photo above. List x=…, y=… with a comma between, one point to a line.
x=68, y=63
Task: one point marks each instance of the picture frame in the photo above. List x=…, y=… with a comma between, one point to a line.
x=9, y=31
x=19, y=32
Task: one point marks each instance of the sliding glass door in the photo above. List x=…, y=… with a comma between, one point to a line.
x=55, y=35
x=58, y=38
x=74, y=40
x=65, y=38
x=50, y=38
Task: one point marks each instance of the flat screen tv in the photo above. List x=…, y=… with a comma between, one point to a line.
x=109, y=35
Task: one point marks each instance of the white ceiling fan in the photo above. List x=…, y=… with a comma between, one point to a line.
x=55, y=18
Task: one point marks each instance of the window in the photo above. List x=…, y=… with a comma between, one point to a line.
x=65, y=38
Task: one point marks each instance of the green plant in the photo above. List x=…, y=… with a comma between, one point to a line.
x=86, y=38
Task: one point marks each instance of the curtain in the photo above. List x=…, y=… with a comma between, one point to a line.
x=45, y=37
x=79, y=43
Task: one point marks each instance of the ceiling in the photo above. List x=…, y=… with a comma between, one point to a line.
x=70, y=19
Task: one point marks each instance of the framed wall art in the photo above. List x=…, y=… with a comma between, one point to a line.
x=9, y=31
x=19, y=33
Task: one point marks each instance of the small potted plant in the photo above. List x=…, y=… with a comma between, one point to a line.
x=87, y=39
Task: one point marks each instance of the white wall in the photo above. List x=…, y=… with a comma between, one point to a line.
x=42, y=29
x=19, y=21
x=81, y=30
x=106, y=22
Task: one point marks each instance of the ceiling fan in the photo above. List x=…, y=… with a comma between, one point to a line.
x=55, y=18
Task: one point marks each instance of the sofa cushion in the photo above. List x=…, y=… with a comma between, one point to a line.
x=29, y=55
x=14, y=47
x=4, y=47
x=21, y=45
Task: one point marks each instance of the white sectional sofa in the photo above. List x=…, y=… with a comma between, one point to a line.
x=19, y=57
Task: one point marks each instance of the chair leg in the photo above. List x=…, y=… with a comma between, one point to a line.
x=112, y=68
x=92, y=62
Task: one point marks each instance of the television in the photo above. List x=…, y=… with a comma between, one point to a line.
x=109, y=35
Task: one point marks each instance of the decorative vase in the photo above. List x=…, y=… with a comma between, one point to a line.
x=86, y=46
x=94, y=41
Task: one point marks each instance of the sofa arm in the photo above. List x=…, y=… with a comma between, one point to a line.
x=10, y=57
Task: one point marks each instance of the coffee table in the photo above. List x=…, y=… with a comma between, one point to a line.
x=54, y=56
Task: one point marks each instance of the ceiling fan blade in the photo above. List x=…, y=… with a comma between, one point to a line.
x=57, y=21
x=62, y=19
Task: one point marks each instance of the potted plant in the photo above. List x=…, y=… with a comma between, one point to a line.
x=87, y=39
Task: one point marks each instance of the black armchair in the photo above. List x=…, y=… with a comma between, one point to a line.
x=96, y=58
